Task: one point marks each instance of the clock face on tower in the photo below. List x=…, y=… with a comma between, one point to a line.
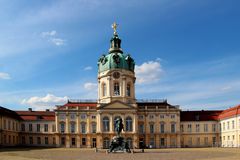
x=116, y=75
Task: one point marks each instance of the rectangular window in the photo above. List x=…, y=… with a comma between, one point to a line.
x=151, y=116
x=151, y=128
x=173, y=128
x=72, y=127
x=214, y=127
x=224, y=126
x=23, y=140
x=197, y=127
x=73, y=141
x=162, y=128
x=162, y=142
x=94, y=128
x=83, y=141
x=38, y=140
x=228, y=125
x=152, y=143
x=53, y=128
x=63, y=141
x=30, y=127
x=54, y=140
x=46, y=140
x=189, y=128
x=13, y=126
x=172, y=116
x=182, y=128
x=45, y=127
x=141, y=128
x=9, y=125
x=205, y=141
x=23, y=127
x=30, y=140
x=4, y=124
x=83, y=127
x=38, y=127
x=62, y=127
x=190, y=141
x=214, y=141
x=233, y=124
x=161, y=116
x=198, y=141
x=205, y=127
x=93, y=117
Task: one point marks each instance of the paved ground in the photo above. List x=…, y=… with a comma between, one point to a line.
x=89, y=154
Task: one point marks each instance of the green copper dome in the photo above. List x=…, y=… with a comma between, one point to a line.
x=116, y=59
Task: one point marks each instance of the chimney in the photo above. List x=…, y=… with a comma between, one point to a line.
x=30, y=109
x=47, y=110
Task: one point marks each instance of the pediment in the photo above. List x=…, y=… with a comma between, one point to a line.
x=116, y=105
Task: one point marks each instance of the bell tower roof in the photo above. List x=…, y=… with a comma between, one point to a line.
x=115, y=59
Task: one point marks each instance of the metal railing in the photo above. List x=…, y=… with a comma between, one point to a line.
x=152, y=100
x=82, y=100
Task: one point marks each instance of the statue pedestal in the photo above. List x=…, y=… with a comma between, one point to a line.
x=118, y=145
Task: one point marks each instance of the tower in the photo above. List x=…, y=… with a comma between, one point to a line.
x=116, y=77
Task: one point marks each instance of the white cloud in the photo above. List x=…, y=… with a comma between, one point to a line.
x=49, y=34
x=57, y=41
x=88, y=68
x=148, y=72
x=90, y=86
x=42, y=103
x=4, y=75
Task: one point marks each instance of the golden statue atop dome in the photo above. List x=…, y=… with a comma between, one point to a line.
x=114, y=26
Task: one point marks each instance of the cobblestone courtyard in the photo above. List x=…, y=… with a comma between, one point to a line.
x=89, y=154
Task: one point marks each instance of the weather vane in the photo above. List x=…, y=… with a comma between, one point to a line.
x=114, y=26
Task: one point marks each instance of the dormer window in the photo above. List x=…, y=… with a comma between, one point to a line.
x=116, y=89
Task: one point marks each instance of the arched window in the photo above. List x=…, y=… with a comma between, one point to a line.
x=72, y=127
x=105, y=124
x=94, y=127
x=115, y=119
x=106, y=143
x=129, y=141
x=83, y=127
x=104, y=89
x=116, y=91
x=128, y=90
x=128, y=124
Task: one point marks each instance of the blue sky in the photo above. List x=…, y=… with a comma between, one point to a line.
x=185, y=51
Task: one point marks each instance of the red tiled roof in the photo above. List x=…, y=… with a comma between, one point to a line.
x=230, y=112
x=200, y=115
x=37, y=115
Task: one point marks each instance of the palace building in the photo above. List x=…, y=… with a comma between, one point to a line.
x=91, y=124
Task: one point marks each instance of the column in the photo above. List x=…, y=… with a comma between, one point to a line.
x=67, y=123
x=123, y=87
x=88, y=123
x=99, y=90
x=78, y=123
x=109, y=87
x=111, y=123
x=57, y=123
x=78, y=141
x=168, y=141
